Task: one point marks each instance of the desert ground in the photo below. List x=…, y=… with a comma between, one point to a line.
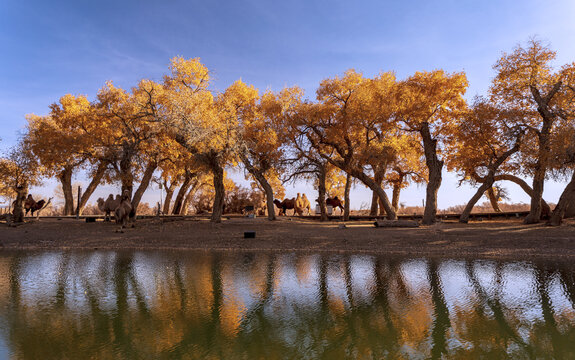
x=480, y=239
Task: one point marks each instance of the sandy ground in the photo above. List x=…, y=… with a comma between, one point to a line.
x=487, y=239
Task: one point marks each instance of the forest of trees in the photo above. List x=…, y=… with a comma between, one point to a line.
x=383, y=132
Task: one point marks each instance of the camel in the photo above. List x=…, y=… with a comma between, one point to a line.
x=124, y=211
x=39, y=206
x=29, y=203
x=302, y=203
x=109, y=205
x=305, y=204
x=333, y=202
x=286, y=204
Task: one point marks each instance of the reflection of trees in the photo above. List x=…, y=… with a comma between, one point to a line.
x=441, y=321
x=483, y=325
x=567, y=279
x=549, y=329
x=176, y=307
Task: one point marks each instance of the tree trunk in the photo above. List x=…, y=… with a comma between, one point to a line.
x=187, y=200
x=540, y=169
x=395, y=196
x=546, y=210
x=538, y=185
x=65, y=178
x=544, y=151
x=464, y=218
x=346, y=205
x=493, y=199
x=378, y=178
x=126, y=175
x=146, y=178
x=369, y=182
x=100, y=171
x=181, y=193
x=18, y=212
x=434, y=166
x=381, y=208
x=567, y=199
x=169, y=193
x=218, y=208
x=374, y=204
x=321, y=190
x=259, y=175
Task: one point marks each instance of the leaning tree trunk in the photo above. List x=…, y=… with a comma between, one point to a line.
x=146, y=178
x=567, y=199
x=321, y=190
x=65, y=178
x=168, y=199
x=464, y=218
x=374, y=203
x=18, y=212
x=346, y=197
x=218, y=208
x=546, y=210
x=487, y=184
x=369, y=182
x=381, y=208
x=434, y=166
x=493, y=199
x=98, y=175
x=188, y=198
x=261, y=179
x=181, y=193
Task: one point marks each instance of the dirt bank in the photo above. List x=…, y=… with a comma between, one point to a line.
x=487, y=239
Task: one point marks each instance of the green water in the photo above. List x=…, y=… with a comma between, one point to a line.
x=189, y=305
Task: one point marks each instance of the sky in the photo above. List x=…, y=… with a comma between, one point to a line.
x=52, y=48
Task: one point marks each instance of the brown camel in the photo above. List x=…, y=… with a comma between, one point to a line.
x=286, y=204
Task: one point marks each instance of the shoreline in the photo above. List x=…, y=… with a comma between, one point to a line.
x=503, y=239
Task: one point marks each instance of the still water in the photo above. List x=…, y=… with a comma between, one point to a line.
x=190, y=305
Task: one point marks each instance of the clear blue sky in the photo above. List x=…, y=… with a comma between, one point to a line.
x=51, y=48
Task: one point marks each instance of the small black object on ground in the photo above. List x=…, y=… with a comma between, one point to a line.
x=90, y=219
x=249, y=234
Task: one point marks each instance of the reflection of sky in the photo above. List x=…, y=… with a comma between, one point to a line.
x=295, y=283
x=4, y=351
x=515, y=287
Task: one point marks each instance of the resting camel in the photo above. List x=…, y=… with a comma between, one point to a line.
x=286, y=204
x=302, y=203
x=109, y=205
x=124, y=211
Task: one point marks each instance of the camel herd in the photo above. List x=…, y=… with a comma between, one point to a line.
x=300, y=203
x=121, y=206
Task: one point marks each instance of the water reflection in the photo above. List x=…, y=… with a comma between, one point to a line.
x=140, y=305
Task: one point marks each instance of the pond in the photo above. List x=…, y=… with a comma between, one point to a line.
x=229, y=305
